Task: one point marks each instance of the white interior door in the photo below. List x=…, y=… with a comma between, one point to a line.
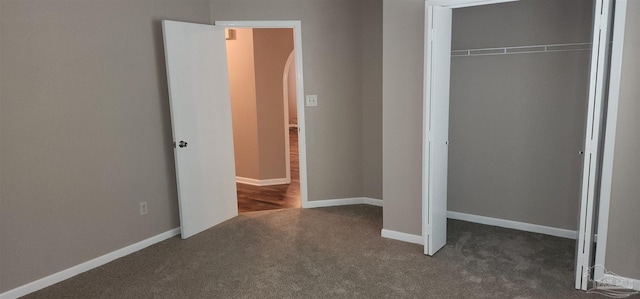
x=201, y=120
x=590, y=176
x=436, y=127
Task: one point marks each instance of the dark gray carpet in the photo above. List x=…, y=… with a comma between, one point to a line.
x=333, y=253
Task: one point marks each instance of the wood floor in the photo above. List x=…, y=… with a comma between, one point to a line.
x=254, y=198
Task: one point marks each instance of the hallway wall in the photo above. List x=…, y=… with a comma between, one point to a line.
x=242, y=82
x=256, y=59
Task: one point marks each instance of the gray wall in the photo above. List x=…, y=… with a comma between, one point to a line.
x=623, y=236
x=85, y=131
x=510, y=24
x=524, y=23
x=372, y=98
x=402, y=56
x=517, y=121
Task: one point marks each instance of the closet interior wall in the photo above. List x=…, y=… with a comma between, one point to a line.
x=517, y=115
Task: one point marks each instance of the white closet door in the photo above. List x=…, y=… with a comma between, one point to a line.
x=436, y=127
x=598, y=81
x=201, y=120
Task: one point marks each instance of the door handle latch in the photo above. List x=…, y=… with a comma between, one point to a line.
x=181, y=144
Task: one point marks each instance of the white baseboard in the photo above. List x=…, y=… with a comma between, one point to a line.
x=620, y=281
x=372, y=201
x=86, y=266
x=333, y=202
x=528, y=227
x=343, y=202
x=390, y=234
x=261, y=183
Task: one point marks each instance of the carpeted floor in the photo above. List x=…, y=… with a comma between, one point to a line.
x=333, y=253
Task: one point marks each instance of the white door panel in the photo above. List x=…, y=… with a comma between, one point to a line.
x=436, y=127
x=201, y=116
x=592, y=155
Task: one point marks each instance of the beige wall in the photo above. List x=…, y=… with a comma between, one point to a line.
x=292, y=91
x=85, y=130
x=332, y=69
x=271, y=50
x=256, y=59
x=243, y=103
x=623, y=236
x=402, y=56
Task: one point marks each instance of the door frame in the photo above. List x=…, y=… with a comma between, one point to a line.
x=296, y=25
x=593, y=131
x=619, y=25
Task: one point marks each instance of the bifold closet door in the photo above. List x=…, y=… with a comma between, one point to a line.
x=591, y=177
x=436, y=127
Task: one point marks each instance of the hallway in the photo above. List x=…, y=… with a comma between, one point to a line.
x=255, y=198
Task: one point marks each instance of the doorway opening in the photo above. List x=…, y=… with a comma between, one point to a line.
x=265, y=92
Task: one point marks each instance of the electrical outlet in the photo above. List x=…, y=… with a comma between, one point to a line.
x=143, y=208
x=312, y=100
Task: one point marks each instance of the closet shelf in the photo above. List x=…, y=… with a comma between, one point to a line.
x=522, y=49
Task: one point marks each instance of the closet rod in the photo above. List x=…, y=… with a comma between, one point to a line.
x=522, y=49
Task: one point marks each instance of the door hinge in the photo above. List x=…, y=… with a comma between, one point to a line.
x=428, y=230
x=429, y=136
x=587, y=147
x=603, y=20
x=174, y=144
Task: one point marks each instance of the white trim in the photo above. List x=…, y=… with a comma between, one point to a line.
x=610, y=134
x=391, y=234
x=297, y=45
x=618, y=280
x=523, y=226
x=261, y=183
x=343, y=202
x=285, y=96
x=86, y=266
x=372, y=201
x=522, y=49
x=334, y=202
x=464, y=3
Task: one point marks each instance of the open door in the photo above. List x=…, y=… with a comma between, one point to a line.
x=600, y=58
x=436, y=126
x=201, y=120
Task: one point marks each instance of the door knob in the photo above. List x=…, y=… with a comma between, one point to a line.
x=182, y=143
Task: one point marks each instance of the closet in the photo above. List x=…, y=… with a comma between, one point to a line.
x=518, y=105
x=514, y=97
